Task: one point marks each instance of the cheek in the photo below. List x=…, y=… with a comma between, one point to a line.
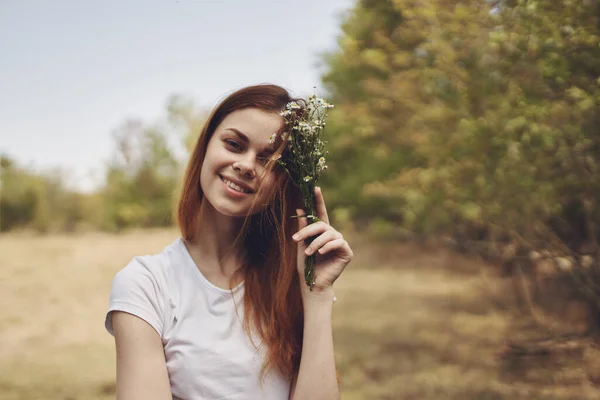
x=270, y=184
x=264, y=183
x=215, y=160
x=215, y=154
x=268, y=180
x=209, y=167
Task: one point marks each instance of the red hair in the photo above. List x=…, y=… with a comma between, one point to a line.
x=272, y=299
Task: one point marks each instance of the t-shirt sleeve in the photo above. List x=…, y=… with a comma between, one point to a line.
x=137, y=290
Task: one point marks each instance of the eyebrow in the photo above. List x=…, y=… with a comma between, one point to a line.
x=268, y=150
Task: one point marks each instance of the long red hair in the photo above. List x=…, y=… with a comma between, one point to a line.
x=272, y=299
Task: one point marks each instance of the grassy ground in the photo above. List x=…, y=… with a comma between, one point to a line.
x=409, y=324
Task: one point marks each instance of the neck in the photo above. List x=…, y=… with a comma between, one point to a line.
x=214, y=243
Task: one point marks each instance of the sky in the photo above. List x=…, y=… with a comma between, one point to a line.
x=72, y=71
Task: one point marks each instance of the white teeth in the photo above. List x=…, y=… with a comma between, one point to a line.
x=233, y=186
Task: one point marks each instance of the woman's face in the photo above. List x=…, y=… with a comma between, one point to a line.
x=234, y=164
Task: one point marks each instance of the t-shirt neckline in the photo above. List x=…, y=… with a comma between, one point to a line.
x=200, y=275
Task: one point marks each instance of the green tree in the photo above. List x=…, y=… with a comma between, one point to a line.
x=141, y=178
x=38, y=201
x=186, y=119
x=400, y=82
x=451, y=117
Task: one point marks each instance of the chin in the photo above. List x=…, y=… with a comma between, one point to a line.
x=231, y=213
x=227, y=210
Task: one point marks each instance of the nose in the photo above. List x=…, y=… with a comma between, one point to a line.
x=245, y=167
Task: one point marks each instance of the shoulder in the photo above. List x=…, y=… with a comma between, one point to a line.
x=142, y=288
x=154, y=267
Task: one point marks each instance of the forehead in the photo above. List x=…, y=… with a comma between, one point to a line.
x=257, y=124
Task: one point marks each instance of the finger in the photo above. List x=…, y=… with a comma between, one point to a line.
x=337, y=244
x=321, y=240
x=320, y=202
x=311, y=230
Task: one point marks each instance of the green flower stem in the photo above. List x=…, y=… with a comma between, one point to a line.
x=311, y=207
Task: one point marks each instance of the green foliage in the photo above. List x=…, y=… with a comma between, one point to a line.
x=17, y=196
x=37, y=201
x=141, y=180
x=450, y=117
x=185, y=118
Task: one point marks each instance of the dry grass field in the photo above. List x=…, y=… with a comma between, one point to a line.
x=409, y=324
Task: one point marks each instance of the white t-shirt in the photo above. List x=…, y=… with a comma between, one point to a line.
x=208, y=354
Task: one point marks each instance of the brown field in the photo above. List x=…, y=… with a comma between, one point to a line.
x=409, y=324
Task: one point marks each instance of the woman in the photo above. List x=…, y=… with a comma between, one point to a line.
x=224, y=312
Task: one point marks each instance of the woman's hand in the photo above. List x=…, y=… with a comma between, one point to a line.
x=332, y=252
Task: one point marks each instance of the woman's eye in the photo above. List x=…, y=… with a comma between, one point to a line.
x=233, y=143
x=263, y=160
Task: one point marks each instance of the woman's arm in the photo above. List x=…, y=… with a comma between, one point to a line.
x=141, y=366
x=317, y=375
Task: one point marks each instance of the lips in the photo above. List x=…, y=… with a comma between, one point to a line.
x=237, y=185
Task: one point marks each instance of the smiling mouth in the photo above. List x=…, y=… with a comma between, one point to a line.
x=233, y=186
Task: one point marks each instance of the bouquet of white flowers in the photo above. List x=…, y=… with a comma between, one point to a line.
x=305, y=158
